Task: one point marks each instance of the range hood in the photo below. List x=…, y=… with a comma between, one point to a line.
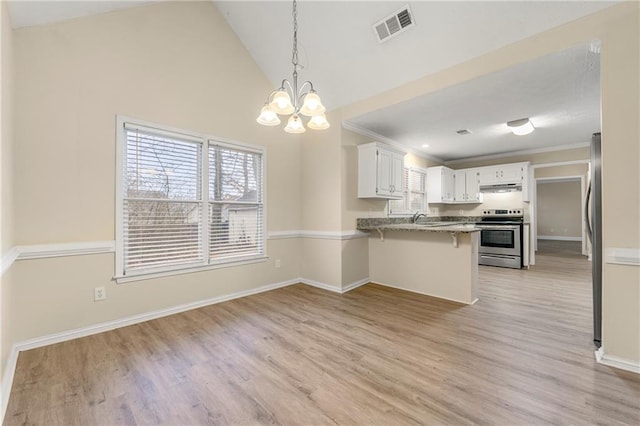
x=502, y=187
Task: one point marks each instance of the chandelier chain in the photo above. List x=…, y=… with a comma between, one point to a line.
x=294, y=55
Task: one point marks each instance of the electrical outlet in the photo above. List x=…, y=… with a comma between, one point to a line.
x=99, y=293
x=278, y=263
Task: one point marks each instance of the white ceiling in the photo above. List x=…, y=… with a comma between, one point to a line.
x=346, y=63
x=559, y=93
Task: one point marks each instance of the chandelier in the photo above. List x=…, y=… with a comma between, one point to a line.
x=294, y=101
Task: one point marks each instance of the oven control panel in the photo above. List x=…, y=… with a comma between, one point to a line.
x=503, y=212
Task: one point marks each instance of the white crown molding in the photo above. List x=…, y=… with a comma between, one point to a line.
x=378, y=137
x=8, y=259
x=613, y=361
x=517, y=153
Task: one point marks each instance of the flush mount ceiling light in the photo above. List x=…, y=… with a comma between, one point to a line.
x=294, y=101
x=521, y=127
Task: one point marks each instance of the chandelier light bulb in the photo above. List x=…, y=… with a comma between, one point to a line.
x=312, y=105
x=267, y=117
x=318, y=122
x=281, y=103
x=294, y=125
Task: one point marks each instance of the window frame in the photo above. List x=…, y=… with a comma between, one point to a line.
x=205, y=140
x=406, y=194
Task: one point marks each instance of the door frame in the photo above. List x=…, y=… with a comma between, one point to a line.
x=533, y=204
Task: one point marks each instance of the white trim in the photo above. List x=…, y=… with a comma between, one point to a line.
x=425, y=293
x=8, y=259
x=560, y=179
x=616, y=362
x=66, y=249
x=355, y=284
x=321, y=285
x=283, y=235
x=518, y=153
x=558, y=238
x=622, y=256
x=7, y=380
x=379, y=138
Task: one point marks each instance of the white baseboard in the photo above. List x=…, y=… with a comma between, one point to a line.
x=334, y=288
x=355, y=284
x=558, y=238
x=7, y=380
x=617, y=362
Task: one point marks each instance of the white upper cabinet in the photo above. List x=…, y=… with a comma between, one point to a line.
x=505, y=173
x=380, y=170
x=441, y=186
x=467, y=184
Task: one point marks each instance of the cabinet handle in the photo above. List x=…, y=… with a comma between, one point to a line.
x=501, y=173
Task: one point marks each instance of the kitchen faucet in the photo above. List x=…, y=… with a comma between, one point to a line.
x=417, y=216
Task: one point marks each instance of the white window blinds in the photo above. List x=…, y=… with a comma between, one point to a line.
x=235, y=203
x=167, y=220
x=414, y=196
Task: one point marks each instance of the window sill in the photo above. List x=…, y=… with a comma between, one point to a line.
x=140, y=276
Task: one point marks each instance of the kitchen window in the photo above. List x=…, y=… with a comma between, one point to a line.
x=414, y=196
x=185, y=201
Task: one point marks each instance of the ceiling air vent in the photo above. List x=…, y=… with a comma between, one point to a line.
x=463, y=132
x=394, y=24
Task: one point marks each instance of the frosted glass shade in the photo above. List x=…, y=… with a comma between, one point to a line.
x=318, y=122
x=281, y=103
x=521, y=127
x=294, y=125
x=312, y=105
x=267, y=117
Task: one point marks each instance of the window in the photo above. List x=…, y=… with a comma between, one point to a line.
x=414, y=196
x=185, y=201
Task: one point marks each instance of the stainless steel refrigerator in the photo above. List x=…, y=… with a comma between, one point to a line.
x=593, y=215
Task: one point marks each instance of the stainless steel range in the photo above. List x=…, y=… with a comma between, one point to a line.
x=501, y=238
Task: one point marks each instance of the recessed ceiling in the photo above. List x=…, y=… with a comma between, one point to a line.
x=559, y=93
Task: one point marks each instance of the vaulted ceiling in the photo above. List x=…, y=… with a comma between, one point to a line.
x=343, y=57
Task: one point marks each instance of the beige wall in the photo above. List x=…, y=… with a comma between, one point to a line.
x=559, y=209
x=617, y=28
x=176, y=64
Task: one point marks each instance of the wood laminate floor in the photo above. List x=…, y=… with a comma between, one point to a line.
x=376, y=356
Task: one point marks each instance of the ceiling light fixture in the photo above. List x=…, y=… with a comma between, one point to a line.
x=425, y=145
x=521, y=127
x=294, y=101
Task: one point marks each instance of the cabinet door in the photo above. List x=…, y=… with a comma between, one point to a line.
x=448, y=182
x=383, y=173
x=460, y=183
x=473, y=185
x=397, y=168
x=509, y=174
x=489, y=175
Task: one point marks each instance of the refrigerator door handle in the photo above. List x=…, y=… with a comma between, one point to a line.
x=586, y=213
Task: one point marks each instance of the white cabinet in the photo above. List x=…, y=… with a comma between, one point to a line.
x=467, y=186
x=440, y=185
x=380, y=169
x=505, y=173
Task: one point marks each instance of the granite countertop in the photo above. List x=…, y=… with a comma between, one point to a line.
x=385, y=224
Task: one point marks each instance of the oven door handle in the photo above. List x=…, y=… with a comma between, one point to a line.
x=497, y=227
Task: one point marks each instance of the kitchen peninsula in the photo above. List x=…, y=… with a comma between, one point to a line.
x=438, y=259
